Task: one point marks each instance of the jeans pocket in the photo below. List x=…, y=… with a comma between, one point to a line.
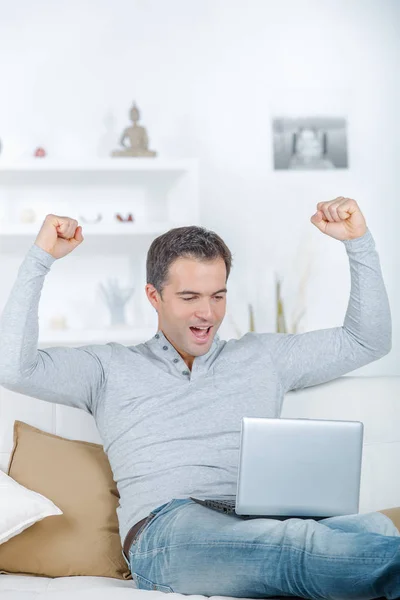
x=145, y=584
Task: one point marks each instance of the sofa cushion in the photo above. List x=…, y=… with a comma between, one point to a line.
x=77, y=477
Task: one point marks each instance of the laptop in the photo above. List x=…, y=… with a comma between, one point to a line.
x=303, y=468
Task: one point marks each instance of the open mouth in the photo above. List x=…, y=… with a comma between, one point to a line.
x=201, y=334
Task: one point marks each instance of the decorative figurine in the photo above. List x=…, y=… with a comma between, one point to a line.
x=130, y=218
x=91, y=221
x=116, y=298
x=40, y=152
x=137, y=138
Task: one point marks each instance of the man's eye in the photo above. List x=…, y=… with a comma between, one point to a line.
x=216, y=297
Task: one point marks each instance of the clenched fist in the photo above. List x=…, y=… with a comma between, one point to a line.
x=59, y=235
x=341, y=219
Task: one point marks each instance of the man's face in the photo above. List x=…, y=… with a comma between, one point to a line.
x=194, y=296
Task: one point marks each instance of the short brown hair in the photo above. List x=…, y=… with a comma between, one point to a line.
x=183, y=242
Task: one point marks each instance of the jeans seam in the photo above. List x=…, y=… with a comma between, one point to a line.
x=372, y=558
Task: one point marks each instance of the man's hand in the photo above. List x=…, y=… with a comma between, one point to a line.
x=59, y=235
x=341, y=219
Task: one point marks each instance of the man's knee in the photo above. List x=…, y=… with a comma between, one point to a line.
x=394, y=515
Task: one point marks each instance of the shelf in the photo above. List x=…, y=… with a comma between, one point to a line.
x=90, y=230
x=130, y=164
x=117, y=238
x=124, y=335
x=141, y=171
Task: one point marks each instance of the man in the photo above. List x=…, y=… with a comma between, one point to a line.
x=169, y=413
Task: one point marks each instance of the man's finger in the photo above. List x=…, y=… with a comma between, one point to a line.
x=347, y=207
x=333, y=211
x=78, y=234
x=318, y=220
x=325, y=210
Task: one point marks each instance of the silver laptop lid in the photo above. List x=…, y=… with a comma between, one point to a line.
x=299, y=467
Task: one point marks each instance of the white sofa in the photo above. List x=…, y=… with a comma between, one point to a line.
x=373, y=400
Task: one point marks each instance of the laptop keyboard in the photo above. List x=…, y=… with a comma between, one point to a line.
x=222, y=503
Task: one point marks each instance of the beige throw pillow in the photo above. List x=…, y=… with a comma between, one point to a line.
x=77, y=477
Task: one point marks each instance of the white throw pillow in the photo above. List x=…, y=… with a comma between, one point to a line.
x=20, y=507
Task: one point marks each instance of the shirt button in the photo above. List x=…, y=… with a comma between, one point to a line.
x=165, y=347
x=176, y=360
x=157, y=336
x=185, y=372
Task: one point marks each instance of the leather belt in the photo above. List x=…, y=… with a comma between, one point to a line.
x=130, y=536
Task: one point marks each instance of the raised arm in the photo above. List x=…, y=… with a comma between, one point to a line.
x=71, y=376
x=307, y=359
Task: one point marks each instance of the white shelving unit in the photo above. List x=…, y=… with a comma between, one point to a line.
x=159, y=193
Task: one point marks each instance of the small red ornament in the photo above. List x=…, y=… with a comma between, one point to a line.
x=40, y=152
x=129, y=218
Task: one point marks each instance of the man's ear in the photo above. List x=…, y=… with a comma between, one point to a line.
x=152, y=295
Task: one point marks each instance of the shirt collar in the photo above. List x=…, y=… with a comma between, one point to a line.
x=163, y=348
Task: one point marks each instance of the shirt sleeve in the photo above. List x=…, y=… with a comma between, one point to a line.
x=70, y=376
x=315, y=357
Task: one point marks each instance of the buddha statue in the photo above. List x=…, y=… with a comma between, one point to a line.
x=309, y=150
x=137, y=138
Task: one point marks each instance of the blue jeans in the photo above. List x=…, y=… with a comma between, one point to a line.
x=187, y=548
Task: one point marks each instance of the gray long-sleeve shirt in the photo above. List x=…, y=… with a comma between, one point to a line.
x=169, y=432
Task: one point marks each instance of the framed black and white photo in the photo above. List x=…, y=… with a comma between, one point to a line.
x=312, y=143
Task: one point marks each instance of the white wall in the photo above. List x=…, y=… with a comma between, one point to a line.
x=207, y=76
